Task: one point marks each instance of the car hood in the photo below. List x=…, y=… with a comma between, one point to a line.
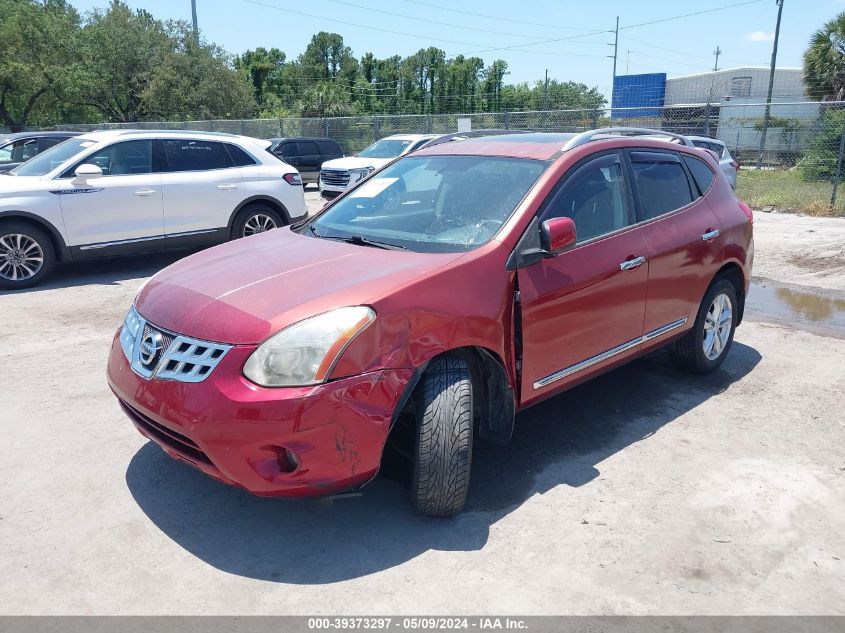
x=244, y=291
x=355, y=162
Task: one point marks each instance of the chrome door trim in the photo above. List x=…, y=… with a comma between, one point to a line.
x=89, y=247
x=572, y=369
x=674, y=325
x=710, y=235
x=600, y=358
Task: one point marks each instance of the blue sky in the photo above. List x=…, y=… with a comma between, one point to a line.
x=532, y=35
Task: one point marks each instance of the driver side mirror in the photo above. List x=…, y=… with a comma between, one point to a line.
x=557, y=234
x=85, y=172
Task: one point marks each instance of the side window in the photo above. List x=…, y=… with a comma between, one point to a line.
x=128, y=158
x=188, y=155
x=48, y=142
x=307, y=148
x=238, y=157
x=594, y=197
x=22, y=150
x=6, y=154
x=287, y=150
x=660, y=182
x=701, y=173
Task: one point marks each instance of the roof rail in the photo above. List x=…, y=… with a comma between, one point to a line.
x=594, y=135
x=460, y=136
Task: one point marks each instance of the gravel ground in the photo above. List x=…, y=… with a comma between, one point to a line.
x=644, y=491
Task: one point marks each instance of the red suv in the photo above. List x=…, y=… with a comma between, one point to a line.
x=426, y=306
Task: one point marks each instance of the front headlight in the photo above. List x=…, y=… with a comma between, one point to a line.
x=129, y=331
x=306, y=352
x=360, y=174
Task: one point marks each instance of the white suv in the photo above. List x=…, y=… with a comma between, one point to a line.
x=336, y=176
x=122, y=192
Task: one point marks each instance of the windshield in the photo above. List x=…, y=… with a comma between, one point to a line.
x=718, y=148
x=48, y=160
x=385, y=148
x=432, y=204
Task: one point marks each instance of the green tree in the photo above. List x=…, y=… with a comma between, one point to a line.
x=824, y=61
x=37, y=56
x=196, y=81
x=265, y=69
x=119, y=52
x=820, y=160
x=323, y=100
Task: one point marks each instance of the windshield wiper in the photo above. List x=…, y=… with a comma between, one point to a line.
x=358, y=240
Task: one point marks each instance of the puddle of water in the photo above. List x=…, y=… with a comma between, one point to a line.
x=820, y=309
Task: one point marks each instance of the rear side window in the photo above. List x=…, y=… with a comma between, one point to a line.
x=330, y=148
x=701, y=173
x=660, y=182
x=188, y=155
x=238, y=157
x=307, y=148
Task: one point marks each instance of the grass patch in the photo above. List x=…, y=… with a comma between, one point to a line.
x=787, y=191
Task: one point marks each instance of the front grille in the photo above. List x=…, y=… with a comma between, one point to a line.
x=170, y=438
x=335, y=177
x=179, y=357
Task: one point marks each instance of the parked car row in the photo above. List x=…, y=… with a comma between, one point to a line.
x=425, y=305
x=18, y=148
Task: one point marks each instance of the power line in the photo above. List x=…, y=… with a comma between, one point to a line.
x=632, y=26
x=493, y=17
x=405, y=34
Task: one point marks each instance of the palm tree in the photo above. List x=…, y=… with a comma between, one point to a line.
x=824, y=61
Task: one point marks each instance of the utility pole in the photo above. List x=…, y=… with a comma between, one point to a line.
x=615, y=52
x=546, y=91
x=194, y=18
x=717, y=52
x=768, y=113
x=627, y=62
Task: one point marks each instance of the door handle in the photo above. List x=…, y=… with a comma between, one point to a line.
x=631, y=264
x=145, y=193
x=710, y=235
x=227, y=187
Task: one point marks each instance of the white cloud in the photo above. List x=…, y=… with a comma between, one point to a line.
x=759, y=36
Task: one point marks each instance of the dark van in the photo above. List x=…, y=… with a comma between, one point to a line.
x=306, y=154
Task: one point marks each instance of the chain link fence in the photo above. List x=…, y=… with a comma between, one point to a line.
x=790, y=154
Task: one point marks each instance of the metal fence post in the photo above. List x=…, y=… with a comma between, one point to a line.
x=430, y=124
x=838, y=166
x=281, y=127
x=595, y=118
x=326, y=128
x=507, y=120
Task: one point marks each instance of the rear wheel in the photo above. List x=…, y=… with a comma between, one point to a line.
x=256, y=218
x=706, y=345
x=443, y=446
x=26, y=255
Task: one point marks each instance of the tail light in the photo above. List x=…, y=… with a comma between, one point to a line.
x=734, y=164
x=747, y=211
x=293, y=179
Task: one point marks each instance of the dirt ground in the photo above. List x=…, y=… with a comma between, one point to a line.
x=644, y=491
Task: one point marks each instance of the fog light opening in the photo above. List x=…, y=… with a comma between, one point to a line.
x=288, y=461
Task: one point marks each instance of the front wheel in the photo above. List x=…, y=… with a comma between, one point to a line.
x=26, y=255
x=706, y=345
x=443, y=446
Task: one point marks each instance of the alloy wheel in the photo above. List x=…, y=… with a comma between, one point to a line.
x=21, y=257
x=258, y=223
x=717, y=326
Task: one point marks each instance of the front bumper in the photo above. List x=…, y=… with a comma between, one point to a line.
x=238, y=432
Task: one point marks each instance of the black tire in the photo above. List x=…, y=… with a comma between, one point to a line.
x=688, y=352
x=443, y=446
x=9, y=232
x=251, y=213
